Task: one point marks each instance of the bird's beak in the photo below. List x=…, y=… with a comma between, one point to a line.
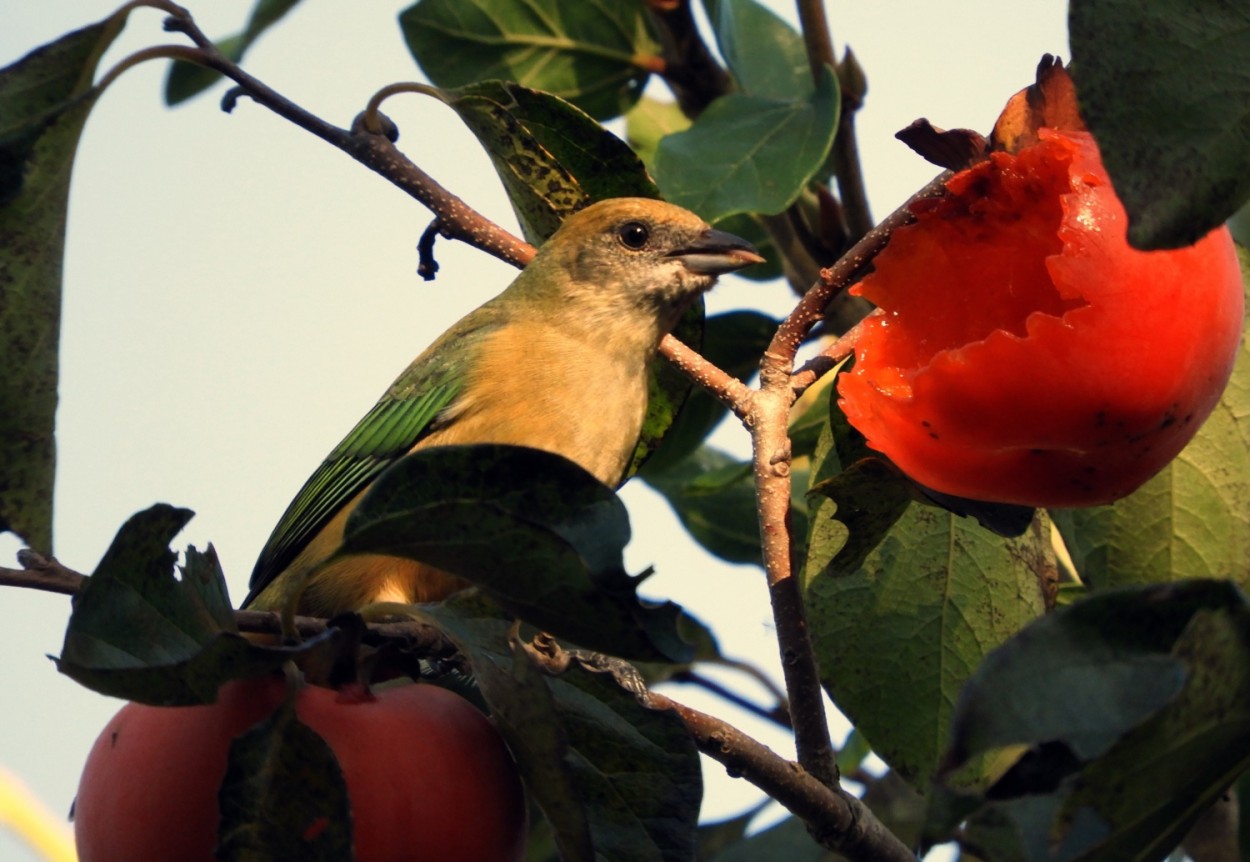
x=715, y=252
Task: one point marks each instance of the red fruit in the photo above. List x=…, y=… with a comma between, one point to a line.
x=428, y=776
x=1023, y=353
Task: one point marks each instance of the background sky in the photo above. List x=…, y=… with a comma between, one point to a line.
x=238, y=293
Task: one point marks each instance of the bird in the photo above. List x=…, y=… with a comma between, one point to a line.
x=558, y=361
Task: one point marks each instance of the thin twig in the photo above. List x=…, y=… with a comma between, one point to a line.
x=818, y=41
x=375, y=151
x=816, y=37
x=729, y=390
x=49, y=575
x=42, y=573
x=778, y=714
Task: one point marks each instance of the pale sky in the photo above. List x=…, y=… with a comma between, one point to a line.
x=238, y=293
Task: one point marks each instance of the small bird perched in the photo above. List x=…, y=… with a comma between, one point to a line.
x=558, y=361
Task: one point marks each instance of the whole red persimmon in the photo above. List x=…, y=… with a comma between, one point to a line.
x=1022, y=352
x=427, y=775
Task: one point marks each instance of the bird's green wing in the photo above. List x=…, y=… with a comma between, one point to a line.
x=386, y=433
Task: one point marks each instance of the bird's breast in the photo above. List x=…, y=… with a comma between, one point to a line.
x=535, y=386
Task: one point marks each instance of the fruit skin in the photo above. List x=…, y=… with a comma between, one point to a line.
x=428, y=776
x=1023, y=353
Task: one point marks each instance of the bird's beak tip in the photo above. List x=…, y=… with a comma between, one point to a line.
x=716, y=252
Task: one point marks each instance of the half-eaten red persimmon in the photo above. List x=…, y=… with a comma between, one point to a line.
x=1022, y=352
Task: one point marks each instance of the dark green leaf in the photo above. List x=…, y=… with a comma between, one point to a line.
x=786, y=840
x=1111, y=654
x=283, y=796
x=187, y=79
x=616, y=780
x=853, y=512
x=722, y=834
x=1163, y=87
x=1134, y=706
x=748, y=153
x=734, y=342
x=535, y=530
x=854, y=508
x=1190, y=521
x=765, y=54
x=553, y=159
x=1005, y=519
x=139, y=633
x=714, y=496
x=594, y=55
x=720, y=515
x=44, y=101
x=667, y=390
x=897, y=637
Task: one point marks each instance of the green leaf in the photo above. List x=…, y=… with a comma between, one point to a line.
x=786, y=840
x=714, y=496
x=721, y=834
x=853, y=509
x=897, y=637
x=1163, y=87
x=853, y=512
x=1134, y=706
x=594, y=55
x=765, y=54
x=668, y=388
x=283, y=795
x=648, y=122
x=734, y=342
x=552, y=157
x=748, y=153
x=44, y=101
x=139, y=633
x=616, y=780
x=1109, y=653
x=535, y=530
x=187, y=79
x=1192, y=520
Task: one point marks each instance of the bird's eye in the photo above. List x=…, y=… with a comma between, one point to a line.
x=633, y=234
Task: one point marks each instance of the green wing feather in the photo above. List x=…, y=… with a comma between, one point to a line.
x=386, y=433
x=395, y=424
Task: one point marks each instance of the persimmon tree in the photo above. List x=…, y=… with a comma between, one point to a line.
x=1043, y=684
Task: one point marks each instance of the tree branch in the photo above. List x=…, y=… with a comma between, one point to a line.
x=835, y=819
x=729, y=390
x=373, y=149
x=42, y=573
x=690, y=70
x=819, y=44
x=768, y=424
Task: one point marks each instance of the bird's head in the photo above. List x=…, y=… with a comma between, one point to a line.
x=637, y=258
